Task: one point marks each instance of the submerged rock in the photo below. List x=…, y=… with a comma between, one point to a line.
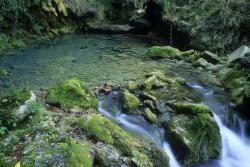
x=72, y=93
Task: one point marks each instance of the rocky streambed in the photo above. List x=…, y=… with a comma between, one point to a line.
x=106, y=100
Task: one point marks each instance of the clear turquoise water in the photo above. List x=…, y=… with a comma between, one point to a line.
x=96, y=59
x=93, y=58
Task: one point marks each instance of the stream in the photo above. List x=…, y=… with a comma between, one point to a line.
x=97, y=59
x=235, y=144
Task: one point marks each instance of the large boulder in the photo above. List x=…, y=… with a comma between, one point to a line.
x=72, y=94
x=238, y=54
x=105, y=130
x=193, y=133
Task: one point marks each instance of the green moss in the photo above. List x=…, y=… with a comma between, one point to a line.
x=72, y=94
x=97, y=127
x=10, y=100
x=235, y=80
x=129, y=101
x=194, y=138
x=78, y=153
x=151, y=117
x=157, y=52
x=192, y=108
x=101, y=128
x=153, y=82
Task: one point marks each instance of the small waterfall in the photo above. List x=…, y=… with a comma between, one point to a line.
x=235, y=145
x=136, y=125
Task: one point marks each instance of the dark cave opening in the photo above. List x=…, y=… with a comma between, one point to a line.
x=154, y=13
x=164, y=28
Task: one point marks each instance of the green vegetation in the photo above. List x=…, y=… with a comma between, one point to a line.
x=160, y=52
x=188, y=134
x=10, y=100
x=191, y=108
x=101, y=128
x=72, y=93
x=129, y=101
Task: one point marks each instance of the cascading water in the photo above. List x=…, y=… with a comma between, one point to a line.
x=235, y=145
x=136, y=125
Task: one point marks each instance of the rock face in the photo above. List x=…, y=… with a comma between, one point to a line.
x=193, y=133
x=72, y=94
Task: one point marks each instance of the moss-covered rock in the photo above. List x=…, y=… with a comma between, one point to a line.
x=160, y=52
x=194, y=138
x=72, y=93
x=129, y=101
x=101, y=128
x=153, y=82
x=78, y=153
x=191, y=108
x=149, y=115
x=131, y=86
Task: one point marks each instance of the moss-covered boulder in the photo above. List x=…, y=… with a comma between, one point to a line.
x=153, y=82
x=72, y=93
x=194, y=138
x=149, y=115
x=160, y=52
x=105, y=130
x=129, y=101
x=190, y=108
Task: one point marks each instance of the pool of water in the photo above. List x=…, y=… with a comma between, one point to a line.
x=96, y=59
